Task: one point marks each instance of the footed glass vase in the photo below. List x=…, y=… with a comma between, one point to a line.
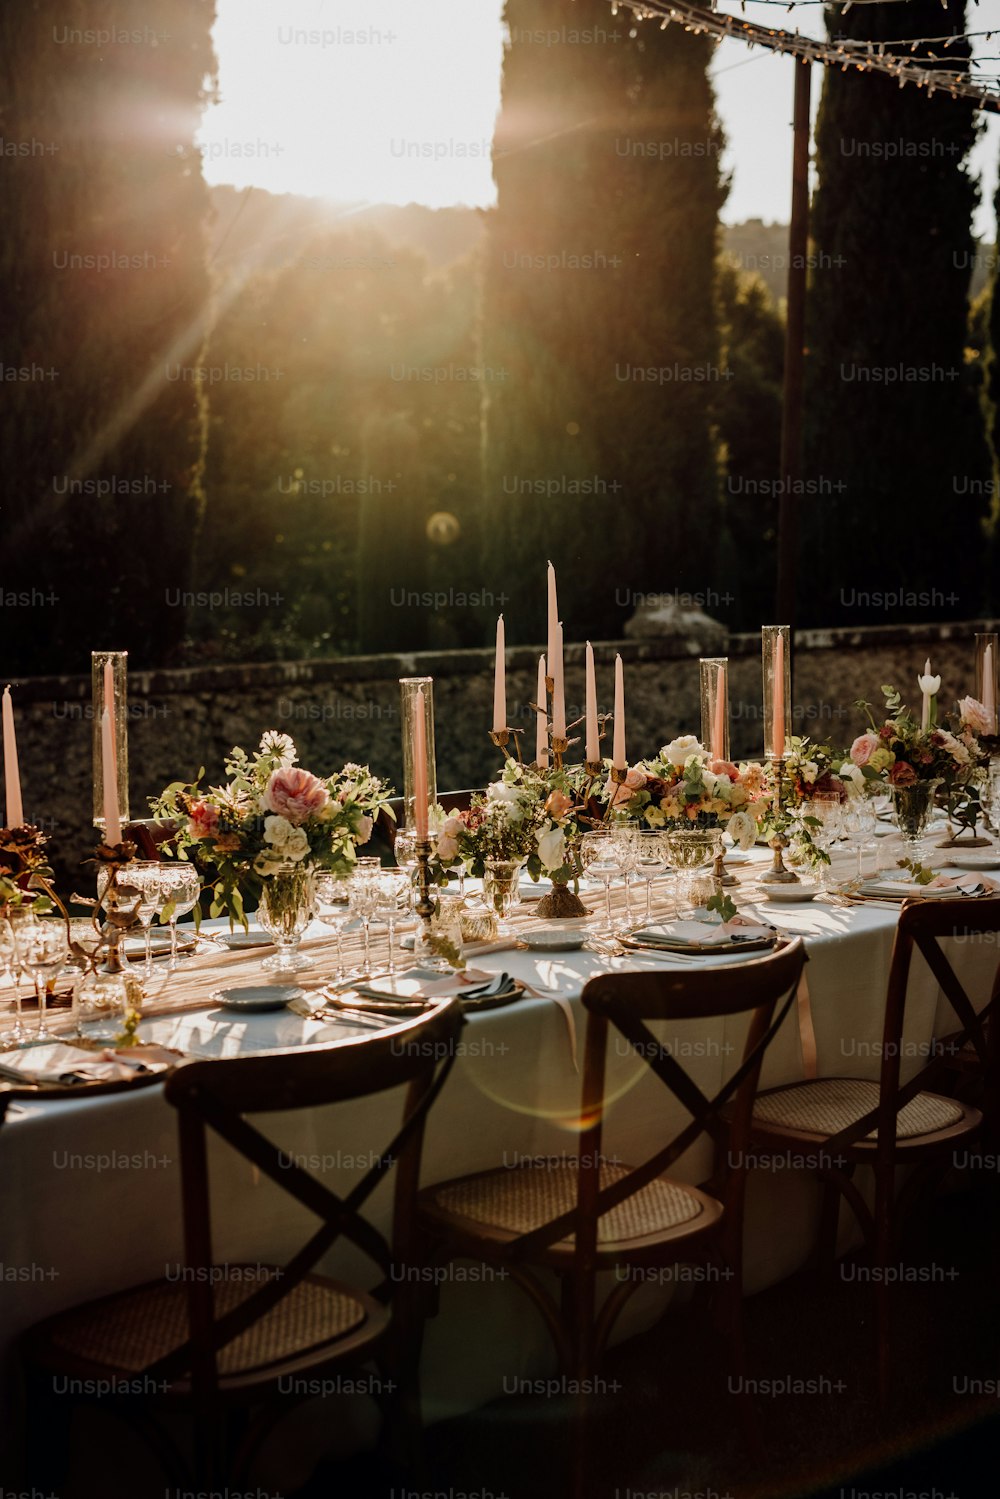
x=912, y=807
x=287, y=905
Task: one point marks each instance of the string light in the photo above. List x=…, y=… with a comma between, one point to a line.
x=983, y=91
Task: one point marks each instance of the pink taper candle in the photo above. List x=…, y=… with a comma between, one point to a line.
x=553, y=620
x=618, y=760
x=12, y=777
x=558, y=689
x=500, y=682
x=541, y=719
x=778, y=699
x=592, y=748
x=109, y=703
x=719, y=725
x=420, y=765
x=112, y=821
x=989, y=691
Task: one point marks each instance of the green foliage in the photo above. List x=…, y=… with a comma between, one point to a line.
x=893, y=244
x=609, y=149
x=121, y=191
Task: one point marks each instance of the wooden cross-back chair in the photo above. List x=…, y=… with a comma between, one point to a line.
x=842, y=1123
x=589, y=1215
x=218, y=1342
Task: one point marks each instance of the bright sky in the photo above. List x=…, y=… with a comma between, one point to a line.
x=394, y=101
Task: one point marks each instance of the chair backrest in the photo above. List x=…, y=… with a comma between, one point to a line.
x=626, y=1001
x=922, y=923
x=150, y=837
x=219, y=1094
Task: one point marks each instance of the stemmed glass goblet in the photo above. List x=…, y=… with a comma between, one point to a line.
x=180, y=886
x=599, y=858
x=42, y=947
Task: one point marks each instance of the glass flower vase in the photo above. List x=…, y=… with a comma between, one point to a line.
x=287, y=904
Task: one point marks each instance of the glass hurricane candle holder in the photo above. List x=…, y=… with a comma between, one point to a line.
x=409, y=687
x=775, y=648
x=714, y=684
x=110, y=667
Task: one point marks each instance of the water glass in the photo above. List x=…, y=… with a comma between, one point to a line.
x=859, y=826
x=101, y=1003
x=600, y=859
x=649, y=858
x=827, y=810
x=391, y=887
x=363, y=898
x=42, y=947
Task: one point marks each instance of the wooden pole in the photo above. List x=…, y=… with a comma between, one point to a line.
x=791, y=406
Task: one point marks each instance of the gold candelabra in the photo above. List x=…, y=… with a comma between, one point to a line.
x=778, y=874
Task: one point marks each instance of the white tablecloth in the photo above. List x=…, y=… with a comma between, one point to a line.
x=91, y=1187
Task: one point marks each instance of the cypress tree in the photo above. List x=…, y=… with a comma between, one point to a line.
x=894, y=429
x=106, y=298
x=606, y=147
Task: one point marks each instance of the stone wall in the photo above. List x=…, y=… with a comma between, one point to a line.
x=349, y=710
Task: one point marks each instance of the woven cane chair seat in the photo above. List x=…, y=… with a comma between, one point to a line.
x=134, y=1329
x=828, y=1105
x=524, y=1198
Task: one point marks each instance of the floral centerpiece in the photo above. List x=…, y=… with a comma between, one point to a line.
x=271, y=817
x=810, y=769
x=913, y=759
x=683, y=787
x=531, y=815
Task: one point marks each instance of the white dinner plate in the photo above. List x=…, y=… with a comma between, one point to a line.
x=790, y=894
x=256, y=999
x=975, y=859
x=238, y=940
x=555, y=938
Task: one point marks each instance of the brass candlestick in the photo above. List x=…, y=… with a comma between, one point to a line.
x=778, y=874
x=502, y=737
x=424, y=906
x=559, y=748
x=594, y=768
x=723, y=876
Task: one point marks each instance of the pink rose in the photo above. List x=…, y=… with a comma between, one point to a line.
x=724, y=768
x=557, y=804
x=365, y=826
x=863, y=748
x=974, y=716
x=295, y=794
x=204, y=819
x=634, y=781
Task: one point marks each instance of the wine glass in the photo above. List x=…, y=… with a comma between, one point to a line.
x=10, y=963
x=42, y=947
x=391, y=885
x=599, y=859
x=623, y=842
x=144, y=876
x=649, y=858
x=859, y=825
x=825, y=807
x=181, y=886
x=333, y=910
x=363, y=897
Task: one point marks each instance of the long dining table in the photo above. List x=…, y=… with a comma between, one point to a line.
x=91, y=1186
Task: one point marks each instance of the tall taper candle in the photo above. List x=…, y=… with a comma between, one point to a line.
x=558, y=689
x=420, y=812
x=779, y=698
x=553, y=621
x=500, y=682
x=112, y=821
x=12, y=777
x=109, y=703
x=618, y=760
x=541, y=719
x=989, y=688
x=592, y=749
x=719, y=722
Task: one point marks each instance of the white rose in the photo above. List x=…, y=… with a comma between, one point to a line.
x=853, y=777
x=742, y=830
x=679, y=750
x=297, y=846
x=277, y=831
x=810, y=771
x=552, y=848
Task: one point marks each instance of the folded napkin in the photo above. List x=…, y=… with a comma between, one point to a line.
x=471, y=983
x=964, y=884
x=704, y=933
x=62, y=1063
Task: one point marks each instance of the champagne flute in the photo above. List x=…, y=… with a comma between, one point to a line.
x=181, y=887
x=42, y=947
x=364, y=898
x=391, y=885
x=333, y=910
